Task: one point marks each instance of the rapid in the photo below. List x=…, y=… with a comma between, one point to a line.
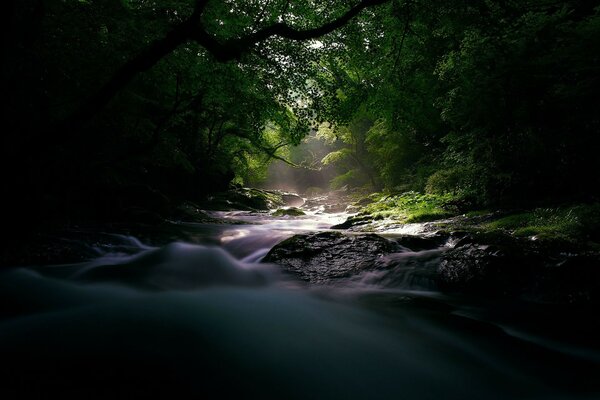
x=207, y=319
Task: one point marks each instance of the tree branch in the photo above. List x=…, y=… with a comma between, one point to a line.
x=234, y=48
x=191, y=29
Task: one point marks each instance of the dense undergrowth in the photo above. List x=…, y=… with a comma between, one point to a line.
x=573, y=223
x=410, y=207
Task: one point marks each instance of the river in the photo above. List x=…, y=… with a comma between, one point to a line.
x=206, y=319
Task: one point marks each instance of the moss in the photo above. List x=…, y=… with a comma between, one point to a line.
x=577, y=225
x=478, y=213
x=262, y=198
x=292, y=212
x=574, y=223
x=409, y=207
x=426, y=215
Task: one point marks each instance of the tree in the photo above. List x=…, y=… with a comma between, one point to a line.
x=232, y=44
x=495, y=101
x=213, y=86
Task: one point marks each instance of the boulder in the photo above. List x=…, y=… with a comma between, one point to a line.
x=291, y=199
x=325, y=257
x=291, y=212
x=246, y=199
x=508, y=267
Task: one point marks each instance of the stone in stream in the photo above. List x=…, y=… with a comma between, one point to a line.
x=290, y=212
x=251, y=199
x=326, y=256
x=515, y=268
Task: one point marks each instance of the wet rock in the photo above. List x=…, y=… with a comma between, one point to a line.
x=327, y=256
x=245, y=199
x=354, y=221
x=291, y=212
x=573, y=280
x=418, y=243
x=483, y=269
x=190, y=212
x=414, y=270
x=291, y=199
x=508, y=267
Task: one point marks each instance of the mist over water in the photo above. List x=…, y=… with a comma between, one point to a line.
x=210, y=320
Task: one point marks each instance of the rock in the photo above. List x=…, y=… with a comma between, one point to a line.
x=354, y=221
x=491, y=263
x=251, y=199
x=292, y=212
x=413, y=270
x=514, y=268
x=245, y=199
x=575, y=279
x=475, y=268
x=325, y=257
x=291, y=199
x=190, y=212
x=364, y=201
x=418, y=243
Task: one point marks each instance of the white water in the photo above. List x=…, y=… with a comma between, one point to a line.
x=185, y=320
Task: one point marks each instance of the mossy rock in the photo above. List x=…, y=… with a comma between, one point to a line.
x=249, y=199
x=291, y=212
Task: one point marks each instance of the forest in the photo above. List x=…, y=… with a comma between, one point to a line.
x=113, y=105
x=343, y=142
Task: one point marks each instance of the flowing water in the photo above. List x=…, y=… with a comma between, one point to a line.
x=207, y=319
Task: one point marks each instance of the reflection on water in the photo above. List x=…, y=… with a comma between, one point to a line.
x=192, y=320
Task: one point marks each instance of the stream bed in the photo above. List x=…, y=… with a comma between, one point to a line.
x=206, y=318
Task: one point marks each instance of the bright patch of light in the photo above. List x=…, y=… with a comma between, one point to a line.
x=233, y=234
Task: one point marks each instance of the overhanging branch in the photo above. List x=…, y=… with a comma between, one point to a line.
x=191, y=30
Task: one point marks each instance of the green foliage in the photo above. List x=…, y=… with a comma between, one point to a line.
x=185, y=127
x=351, y=156
x=505, y=107
x=336, y=156
x=495, y=102
x=344, y=179
x=574, y=223
x=411, y=207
